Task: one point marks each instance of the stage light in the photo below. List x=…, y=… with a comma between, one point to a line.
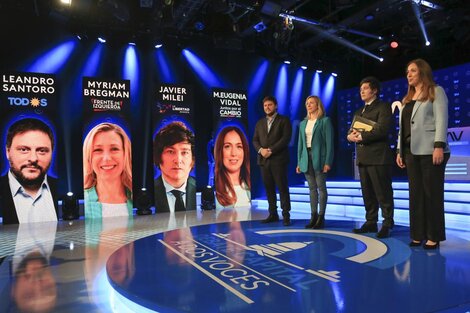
x=296, y=93
x=79, y=37
x=158, y=45
x=259, y=27
x=70, y=208
x=101, y=39
x=66, y=2
x=288, y=23
x=203, y=71
x=286, y=62
x=419, y=18
x=369, y=17
x=319, y=71
x=199, y=25
x=258, y=78
x=54, y=60
x=304, y=67
x=393, y=44
x=334, y=74
x=207, y=198
x=315, y=88
x=381, y=59
x=428, y=4
x=131, y=70
x=280, y=90
x=132, y=43
x=143, y=202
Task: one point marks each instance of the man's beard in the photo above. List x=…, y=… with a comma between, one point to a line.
x=28, y=182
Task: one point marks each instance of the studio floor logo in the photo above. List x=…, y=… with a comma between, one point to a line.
x=276, y=258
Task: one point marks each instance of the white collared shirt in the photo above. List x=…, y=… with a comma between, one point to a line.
x=309, y=132
x=271, y=120
x=39, y=208
x=171, y=197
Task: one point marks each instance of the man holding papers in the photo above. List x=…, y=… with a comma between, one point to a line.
x=369, y=131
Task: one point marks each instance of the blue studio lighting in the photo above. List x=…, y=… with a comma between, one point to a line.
x=131, y=72
x=53, y=60
x=163, y=68
x=328, y=92
x=202, y=70
x=101, y=39
x=158, y=45
x=315, y=89
x=296, y=94
x=258, y=78
x=90, y=68
x=93, y=61
x=280, y=90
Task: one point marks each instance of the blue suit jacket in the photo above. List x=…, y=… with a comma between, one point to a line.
x=428, y=124
x=322, y=145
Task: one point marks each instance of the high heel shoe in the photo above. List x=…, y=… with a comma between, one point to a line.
x=313, y=221
x=320, y=222
x=415, y=243
x=431, y=247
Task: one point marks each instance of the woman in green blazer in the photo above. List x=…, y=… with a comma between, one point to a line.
x=315, y=157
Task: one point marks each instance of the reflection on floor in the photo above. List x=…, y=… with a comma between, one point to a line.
x=63, y=267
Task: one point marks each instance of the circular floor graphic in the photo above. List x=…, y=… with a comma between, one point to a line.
x=254, y=267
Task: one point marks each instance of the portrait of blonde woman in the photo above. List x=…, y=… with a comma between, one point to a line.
x=107, y=168
x=232, y=169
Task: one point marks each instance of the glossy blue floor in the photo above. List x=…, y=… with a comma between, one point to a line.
x=227, y=261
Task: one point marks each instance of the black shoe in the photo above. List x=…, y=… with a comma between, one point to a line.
x=414, y=243
x=320, y=222
x=366, y=228
x=286, y=221
x=431, y=247
x=313, y=221
x=384, y=232
x=270, y=219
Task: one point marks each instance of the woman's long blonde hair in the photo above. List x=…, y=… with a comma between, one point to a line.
x=89, y=176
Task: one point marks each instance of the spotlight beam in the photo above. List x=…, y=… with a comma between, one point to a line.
x=343, y=42
x=329, y=26
x=419, y=18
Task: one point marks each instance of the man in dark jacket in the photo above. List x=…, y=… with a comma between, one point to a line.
x=271, y=138
x=374, y=158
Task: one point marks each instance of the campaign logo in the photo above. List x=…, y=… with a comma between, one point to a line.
x=34, y=102
x=163, y=107
x=100, y=105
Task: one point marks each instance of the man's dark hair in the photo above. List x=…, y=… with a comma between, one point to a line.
x=373, y=82
x=25, y=125
x=270, y=98
x=169, y=135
